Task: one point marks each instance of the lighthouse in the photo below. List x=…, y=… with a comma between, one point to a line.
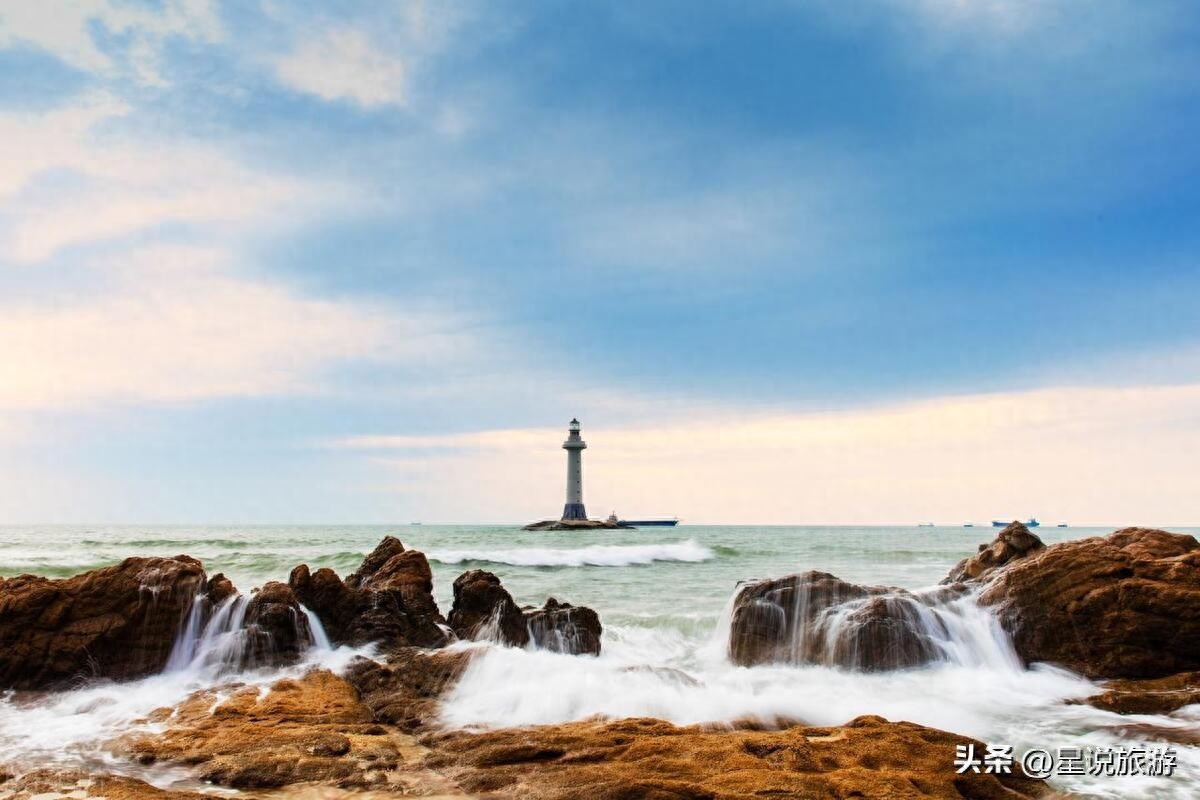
x=574, y=445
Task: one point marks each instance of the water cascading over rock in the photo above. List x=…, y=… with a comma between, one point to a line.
x=227, y=632
x=118, y=622
x=1126, y=605
x=564, y=628
x=484, y=611
x=388, y=600
x=817, y=618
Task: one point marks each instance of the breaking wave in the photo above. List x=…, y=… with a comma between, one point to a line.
x=597, y=555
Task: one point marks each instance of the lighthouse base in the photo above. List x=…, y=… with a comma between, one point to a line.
x=574, y=511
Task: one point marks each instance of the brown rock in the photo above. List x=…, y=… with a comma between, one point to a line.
x=789, y=620
x=118, y=622
x=1015, y=541
x=484, y=610
x=646, y=758
x=277, y=631
x=312, y=730
x=1156, y=696
x=389, y=599
x=219, y=589
x=44, y=784
x=406, y=690
x=1126, y=605
x=564, y=628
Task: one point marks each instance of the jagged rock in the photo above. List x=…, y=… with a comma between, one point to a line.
x=1154, y=696
x=1013, y=542
x=118, y=622
x=277, y=631
x=868, y=758
x=817, y=618
x=1126, y=605
x=389, y=599
x=406, y=689
x=219, y=589
x=563, y=628
x=484, y=610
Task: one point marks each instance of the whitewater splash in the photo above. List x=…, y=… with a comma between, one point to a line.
x=219, y=642
x=596, y=555
x=978, y=686
x=213, y=648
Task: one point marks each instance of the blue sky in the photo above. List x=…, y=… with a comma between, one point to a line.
x=295, y=262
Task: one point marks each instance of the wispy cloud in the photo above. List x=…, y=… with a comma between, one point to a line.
x=133, y=34
x=178, y=324
x=66, y=179
x=345, y=65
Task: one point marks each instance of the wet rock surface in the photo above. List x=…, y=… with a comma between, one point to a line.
x=564, y=628
x=484, y=610
x=817, y=618
x=1126, y=605
x=407, y=688
x=646, y=758
x=118, y=622
x=388, y=599
x=277, y=631
x=52, y=784
x=1013, y=542
x=1156, y=696
x=308, y=730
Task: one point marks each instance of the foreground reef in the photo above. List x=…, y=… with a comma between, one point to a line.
x=1121, y=607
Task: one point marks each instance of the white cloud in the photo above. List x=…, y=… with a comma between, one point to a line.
x=65, y=30
x=344, y=65
x=179, y=325
x=1111, y=456
x=63, y=182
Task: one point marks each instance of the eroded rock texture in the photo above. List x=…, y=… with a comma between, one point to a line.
x=1126, y=605
x=654, y=760
x=817, y=618
x=118, y=622
x=389, y=599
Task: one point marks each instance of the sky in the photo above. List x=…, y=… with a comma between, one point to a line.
x=819, y=262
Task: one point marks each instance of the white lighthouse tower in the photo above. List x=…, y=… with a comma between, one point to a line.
x=574, y=445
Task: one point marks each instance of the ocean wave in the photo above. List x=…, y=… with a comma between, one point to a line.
x=596, y=555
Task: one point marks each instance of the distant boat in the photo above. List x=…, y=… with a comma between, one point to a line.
x=968, y=524
x=924, y=524
x=1029, y=523
x=1062, y=525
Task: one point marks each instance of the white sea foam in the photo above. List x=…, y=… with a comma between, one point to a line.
x=979, y=689
x=71, y=728
x=596, y=555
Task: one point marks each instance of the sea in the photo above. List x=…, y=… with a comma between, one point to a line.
x=664, y=598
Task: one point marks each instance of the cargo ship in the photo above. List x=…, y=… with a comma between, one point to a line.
x=1029, y=523
x=644, y=523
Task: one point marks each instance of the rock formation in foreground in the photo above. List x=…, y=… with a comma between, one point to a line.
x=119, y=622
x=564, y=628
x=1153, y=696
x=313, y=730
x=484, y=611
x=817, y=618
x=1013, y=542
x=389, y=599
x=868, y=758
x=1126, y=605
